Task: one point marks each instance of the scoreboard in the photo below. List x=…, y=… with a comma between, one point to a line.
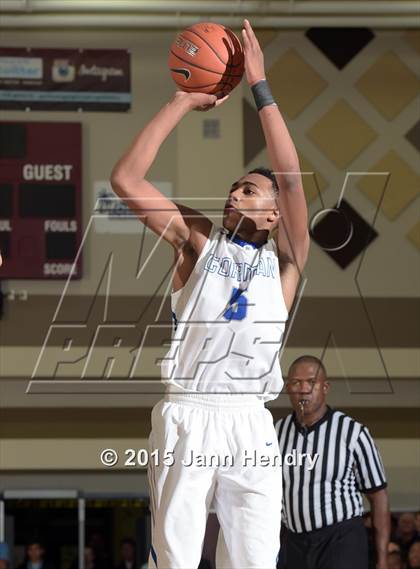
x=40, y=199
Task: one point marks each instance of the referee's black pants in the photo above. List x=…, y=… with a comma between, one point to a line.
x=339, y=546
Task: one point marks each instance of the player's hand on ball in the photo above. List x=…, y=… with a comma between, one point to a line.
x=200, y=101
x=254, y=57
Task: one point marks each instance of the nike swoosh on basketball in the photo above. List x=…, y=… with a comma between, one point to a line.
x=185, y=72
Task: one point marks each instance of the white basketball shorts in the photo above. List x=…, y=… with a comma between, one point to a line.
x=219, y=449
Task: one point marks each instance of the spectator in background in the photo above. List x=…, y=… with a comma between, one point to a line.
x=97, y=543
x=35, y=556
x=417, y=522
x=406, y=533
x=394, y=527
x=395, y=560
x=90, y=562
x=89, y=558
x=4, y=555
x=128, y=554
x=392, y=547
x=414, y=556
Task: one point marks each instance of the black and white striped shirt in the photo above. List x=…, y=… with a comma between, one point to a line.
x=348, y=464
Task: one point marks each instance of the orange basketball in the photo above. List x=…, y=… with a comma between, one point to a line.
x=206, y=58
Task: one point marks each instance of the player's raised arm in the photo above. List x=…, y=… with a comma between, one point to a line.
x=293, y=236
x=128, y=181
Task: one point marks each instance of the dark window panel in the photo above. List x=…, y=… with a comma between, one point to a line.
x=60, y=246
x=52, y=201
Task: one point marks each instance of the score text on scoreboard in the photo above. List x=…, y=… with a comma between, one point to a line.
x=40, y=200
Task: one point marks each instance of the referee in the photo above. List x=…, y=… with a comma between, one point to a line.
x=329, y=460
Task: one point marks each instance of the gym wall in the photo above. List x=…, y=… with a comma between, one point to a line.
x=361, y=318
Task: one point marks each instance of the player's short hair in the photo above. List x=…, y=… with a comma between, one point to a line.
x=128, y=541
x=307, y=358
x=268, y=174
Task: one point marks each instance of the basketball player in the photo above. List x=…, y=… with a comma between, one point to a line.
x=232, y=289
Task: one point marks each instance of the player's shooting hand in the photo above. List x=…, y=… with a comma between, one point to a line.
x=200, y=101
x=215, y=102
x=254, y=57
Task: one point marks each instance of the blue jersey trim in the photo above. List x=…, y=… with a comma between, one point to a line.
x=242, y=242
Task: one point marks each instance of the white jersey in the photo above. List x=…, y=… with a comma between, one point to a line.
x=229, y=321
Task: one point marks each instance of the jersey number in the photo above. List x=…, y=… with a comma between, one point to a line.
x=238, y=306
